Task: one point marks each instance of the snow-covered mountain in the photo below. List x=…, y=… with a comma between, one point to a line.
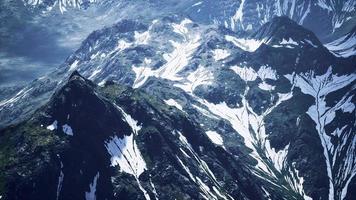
x=212, y=115
x=323, y=17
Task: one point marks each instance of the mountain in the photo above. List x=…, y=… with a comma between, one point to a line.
x=323, y=17
x=40, y=34
x=113, y=142
x=274, y=110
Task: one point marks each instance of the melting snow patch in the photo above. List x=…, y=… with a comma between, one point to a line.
x=124, y=152
x=220, y=54
x=186, y=169
x=215, y=137
x=142, y=73
x=203, y=167
x=175, y=60
x=311, y=43
x=266, y=72
x=343, y=47
x=95, y=72
x=67, y=129
x=181, y=28
x=74, y=65
x=172, y=102
x=154, y=189
x=94, y=55
x=197, y=4
x=348, y=106
x=53, y=126
x=249, y=74
x=60, y=181
x=122, y=45
x=131, y=121
x=22, y=93
x=201, y=76
x=91, y=194
x=249, y=45
x=246, y=73
x=290, y=41
x=251, y=127
x=102, y=83
x=238, y=16
x=266, y=86
x=142, y=38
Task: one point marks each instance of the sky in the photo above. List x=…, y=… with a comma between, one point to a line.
x=33, y=43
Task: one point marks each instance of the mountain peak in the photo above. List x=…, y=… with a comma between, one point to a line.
x=284, y=28
x=75, y=75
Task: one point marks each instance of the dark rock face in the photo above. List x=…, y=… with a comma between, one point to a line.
x=187, y=111
x=80, y=155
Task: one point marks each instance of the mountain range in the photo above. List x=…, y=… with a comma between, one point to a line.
x=186, y=106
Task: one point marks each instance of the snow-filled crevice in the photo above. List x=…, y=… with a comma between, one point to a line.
x=213, y=192
x=60, y=181
x=341, y=151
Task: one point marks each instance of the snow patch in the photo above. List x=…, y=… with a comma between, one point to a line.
x=245, y=44
x=265, y=86
x=122, y=45
x=125, y=152
x=343, y=47
x=95, y=72
x=201, y=76
x=92, y=189
x=60, y=181
x=142, y=38
x=74, y=65
x=238, y=16
x=245, y=73
x=220, y=54
x=197, y=4
x=290, y=41
x=67, y=129
x=311, y=43
x=215, y=137
x=21, y=94
x=53, y=126
x=172, y=102
x=175, y=60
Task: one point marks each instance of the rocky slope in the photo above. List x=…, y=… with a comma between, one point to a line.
x=278, y=105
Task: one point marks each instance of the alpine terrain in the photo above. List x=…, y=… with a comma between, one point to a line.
x=196, y=100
